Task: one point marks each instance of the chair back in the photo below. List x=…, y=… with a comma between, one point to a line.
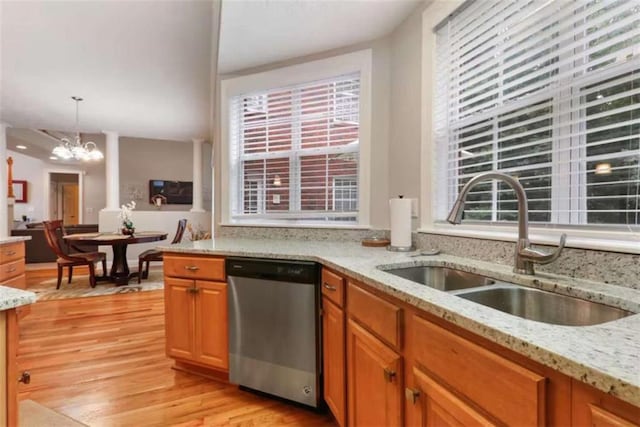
x=53, y=231
x=182, y=224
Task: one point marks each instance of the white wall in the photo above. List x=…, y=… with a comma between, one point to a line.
x=406, y=109
x=34, y=171
x=31, y=170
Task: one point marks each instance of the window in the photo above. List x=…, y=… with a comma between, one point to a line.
x=345, y=194
x=548, y=92
x=296, y=157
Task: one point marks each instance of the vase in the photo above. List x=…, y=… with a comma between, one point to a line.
x=128, y=231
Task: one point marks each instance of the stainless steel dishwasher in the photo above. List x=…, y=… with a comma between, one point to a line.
x=274, y=343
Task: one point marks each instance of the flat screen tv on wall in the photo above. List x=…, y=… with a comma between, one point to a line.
x=176, y=192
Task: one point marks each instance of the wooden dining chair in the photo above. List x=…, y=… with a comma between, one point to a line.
x=151, y=255
x=53, y=231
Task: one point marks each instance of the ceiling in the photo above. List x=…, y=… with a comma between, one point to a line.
x=143, y=67
x=258, y=32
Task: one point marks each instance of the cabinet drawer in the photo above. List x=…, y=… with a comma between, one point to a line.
x=190, y=267
x=511, y=393
x=333, y=287
x=11, y=252
x=11, y=269
x=378, y=315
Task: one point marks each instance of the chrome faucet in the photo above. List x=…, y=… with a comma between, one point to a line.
x=525, y=255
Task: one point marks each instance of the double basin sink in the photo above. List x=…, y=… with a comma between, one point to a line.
x=521, y=301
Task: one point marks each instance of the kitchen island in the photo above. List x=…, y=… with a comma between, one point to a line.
x=604, y=356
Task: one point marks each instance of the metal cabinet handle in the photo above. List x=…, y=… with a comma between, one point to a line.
x=10, y=253
x=191, y=268
x=194, y=290
x=411, y=394
x=389, y=375
x=329, y=287
x=25, y=377
x=11, y=269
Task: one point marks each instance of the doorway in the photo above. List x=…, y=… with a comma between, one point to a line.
x=64, y=197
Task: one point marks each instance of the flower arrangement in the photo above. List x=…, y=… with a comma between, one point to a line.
x=125, y=214
x=196, y=233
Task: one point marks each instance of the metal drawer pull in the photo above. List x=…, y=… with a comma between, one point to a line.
x=11, y=269
x=411, y=394
x=10, y=253
x=329, y=287
x=194, y=290
x=191, y=268
x=389, y=375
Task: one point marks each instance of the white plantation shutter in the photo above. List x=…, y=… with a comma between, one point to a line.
x=289, y=148
x=548, y=91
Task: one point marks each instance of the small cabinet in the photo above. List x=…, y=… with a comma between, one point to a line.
x=333, y=345
x=12, y=268
x=196, y=318
x=374, y=380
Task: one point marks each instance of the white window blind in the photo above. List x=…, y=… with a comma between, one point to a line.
x=548, y=91
x=290, y=149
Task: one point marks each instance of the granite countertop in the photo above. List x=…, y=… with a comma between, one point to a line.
x=13, y=297
x=13, y=239
x=606, y=356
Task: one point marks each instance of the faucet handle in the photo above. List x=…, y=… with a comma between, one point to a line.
x=542, y=257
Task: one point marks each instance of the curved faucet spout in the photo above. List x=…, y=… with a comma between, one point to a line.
x=525, y=256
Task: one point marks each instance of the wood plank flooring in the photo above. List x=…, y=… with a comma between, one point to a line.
x=101, y=361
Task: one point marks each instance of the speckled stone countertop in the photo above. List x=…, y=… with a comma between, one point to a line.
x=13, y=239
x=606, y=356
x=12, y=297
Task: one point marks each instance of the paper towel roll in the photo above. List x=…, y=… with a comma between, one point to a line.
x=400, y=222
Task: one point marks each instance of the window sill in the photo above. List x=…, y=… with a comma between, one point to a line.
x=275, y=225
x=612, y=241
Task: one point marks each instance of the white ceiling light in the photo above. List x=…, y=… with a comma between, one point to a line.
x=21, y=147
x=53, y=158
x=76, y=149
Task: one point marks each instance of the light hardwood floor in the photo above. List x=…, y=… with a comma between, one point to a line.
x=101, y=361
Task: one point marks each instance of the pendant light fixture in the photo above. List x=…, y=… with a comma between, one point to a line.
x=75, y=149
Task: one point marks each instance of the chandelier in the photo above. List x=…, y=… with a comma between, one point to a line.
x=75, y=149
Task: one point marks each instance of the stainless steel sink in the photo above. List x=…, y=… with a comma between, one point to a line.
x=441, y=278
x=542, y=306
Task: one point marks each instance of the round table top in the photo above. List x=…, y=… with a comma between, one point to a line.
x=117, y=238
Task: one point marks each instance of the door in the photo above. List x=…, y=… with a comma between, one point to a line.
x=211, y=324
x=70, y=203
x=333, y=359
x=441, y=408
x=179, y=300
x=374, y=380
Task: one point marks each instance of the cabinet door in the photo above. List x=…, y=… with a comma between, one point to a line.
x=179, y=300
x=591, y=407
x=333, y=358
x=439, y=407
x=374, y=380
x=211, y=324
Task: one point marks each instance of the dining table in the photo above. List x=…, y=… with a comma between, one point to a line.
x=119, y=272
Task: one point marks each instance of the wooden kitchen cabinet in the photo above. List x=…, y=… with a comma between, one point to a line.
x=473, y=380
x=374, y=380
x=439, y=407
x=591, y=407
x=333, y=345
x=12, y=267
x=196, y=318
x=333, y=350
